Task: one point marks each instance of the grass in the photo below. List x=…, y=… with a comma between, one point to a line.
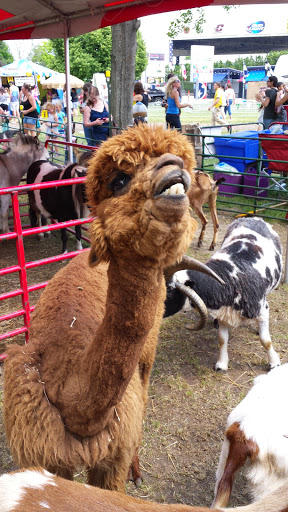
x=201, y=115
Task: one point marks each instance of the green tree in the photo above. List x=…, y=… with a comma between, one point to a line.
x=5, y=55
x=272, y=57
x=141, y=59
x=123, y=57
x=238, y=63
x=185, y=20
x=89, y=53
x=43, y=54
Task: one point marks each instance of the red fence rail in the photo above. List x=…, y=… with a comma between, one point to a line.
x=18, y=235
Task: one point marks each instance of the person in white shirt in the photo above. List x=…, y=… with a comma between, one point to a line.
x=14, y=100
x=104, y=93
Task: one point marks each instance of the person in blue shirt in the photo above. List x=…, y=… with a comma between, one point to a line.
x=61, y=118
x=96, y=116
x=173, y=101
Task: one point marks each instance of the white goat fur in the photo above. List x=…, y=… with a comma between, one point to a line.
x=263, y=418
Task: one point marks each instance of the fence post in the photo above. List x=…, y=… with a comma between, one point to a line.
x=21, y=261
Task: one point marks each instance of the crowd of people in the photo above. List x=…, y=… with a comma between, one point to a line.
x=272, y=101
x=25, y=102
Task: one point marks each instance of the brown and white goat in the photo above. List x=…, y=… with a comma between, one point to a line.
x=35, y=490
x=257, y=432
x=205, y=191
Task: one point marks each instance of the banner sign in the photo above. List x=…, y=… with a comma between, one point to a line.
x=202, y=60
x=20, y=80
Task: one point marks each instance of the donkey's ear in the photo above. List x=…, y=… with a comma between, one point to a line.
x=81, y=173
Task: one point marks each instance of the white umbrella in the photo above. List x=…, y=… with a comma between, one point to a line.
x=58, y=82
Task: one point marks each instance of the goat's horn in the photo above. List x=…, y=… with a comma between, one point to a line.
x=189, y=263
x=197, y=302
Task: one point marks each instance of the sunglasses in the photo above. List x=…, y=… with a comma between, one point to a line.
x=177, y=81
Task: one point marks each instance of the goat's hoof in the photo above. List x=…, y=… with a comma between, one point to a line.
x=212, y=247
x=190, y=327
x=220, y=367
x=271, y=366
x=200, y=243
x=138, y=482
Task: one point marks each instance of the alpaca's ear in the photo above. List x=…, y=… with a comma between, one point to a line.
x=92, y=258
x=99, y=249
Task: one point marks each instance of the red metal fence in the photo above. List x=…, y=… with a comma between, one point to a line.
x=18, y=234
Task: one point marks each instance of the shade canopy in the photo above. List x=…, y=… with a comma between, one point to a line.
x=58, y=81
x=38, y=19
x=25, y=67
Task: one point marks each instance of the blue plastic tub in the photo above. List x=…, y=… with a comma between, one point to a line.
x=236, y=145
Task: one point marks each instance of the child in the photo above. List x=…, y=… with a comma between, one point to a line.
x=52, y=123
x=60, y=116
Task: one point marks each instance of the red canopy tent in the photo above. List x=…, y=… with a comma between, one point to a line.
x=40, y=19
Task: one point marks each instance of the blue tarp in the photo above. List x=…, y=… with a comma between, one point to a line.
x=256, y=76
x=218, y=77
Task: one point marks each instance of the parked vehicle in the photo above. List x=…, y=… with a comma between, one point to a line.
x=156, y=95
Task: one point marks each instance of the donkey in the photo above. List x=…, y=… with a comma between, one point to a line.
x=14, y=164
x=61, y=203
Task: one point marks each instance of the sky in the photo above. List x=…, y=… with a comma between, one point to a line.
x=154, y=28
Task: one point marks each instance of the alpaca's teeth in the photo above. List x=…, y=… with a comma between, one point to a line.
x=175, y=190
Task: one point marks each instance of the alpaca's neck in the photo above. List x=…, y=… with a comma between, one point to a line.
x=132, y=299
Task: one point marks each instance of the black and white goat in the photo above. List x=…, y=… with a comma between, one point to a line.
x=250, y=263
x=61, y=203
x=257, y=431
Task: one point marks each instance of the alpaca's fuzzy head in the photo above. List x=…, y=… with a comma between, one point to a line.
x=127, y=179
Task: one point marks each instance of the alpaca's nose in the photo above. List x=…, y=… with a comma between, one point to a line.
x=169, y=159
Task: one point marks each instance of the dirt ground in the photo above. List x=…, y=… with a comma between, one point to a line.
x=188, y=401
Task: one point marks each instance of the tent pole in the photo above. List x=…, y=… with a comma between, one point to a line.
x=68, y=94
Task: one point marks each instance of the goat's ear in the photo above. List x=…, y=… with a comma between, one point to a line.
x=99, y=248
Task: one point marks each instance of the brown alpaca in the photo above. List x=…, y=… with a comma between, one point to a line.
x=75, y=395
x=205, y=191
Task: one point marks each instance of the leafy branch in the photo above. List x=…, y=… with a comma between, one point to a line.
x=186, y=21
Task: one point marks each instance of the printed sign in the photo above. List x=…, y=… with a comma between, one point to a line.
x=20, y=80
x=202, y=60
x=156, y=56
x=256, y=28
x=202, y=92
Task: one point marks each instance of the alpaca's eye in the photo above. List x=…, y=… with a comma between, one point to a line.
x=119, y=182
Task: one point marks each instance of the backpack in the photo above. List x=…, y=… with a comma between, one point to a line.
x=139, y=110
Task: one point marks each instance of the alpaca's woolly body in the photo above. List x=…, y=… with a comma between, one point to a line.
x=75, y=395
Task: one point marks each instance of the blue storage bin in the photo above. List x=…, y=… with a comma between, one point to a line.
x=236, y=145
